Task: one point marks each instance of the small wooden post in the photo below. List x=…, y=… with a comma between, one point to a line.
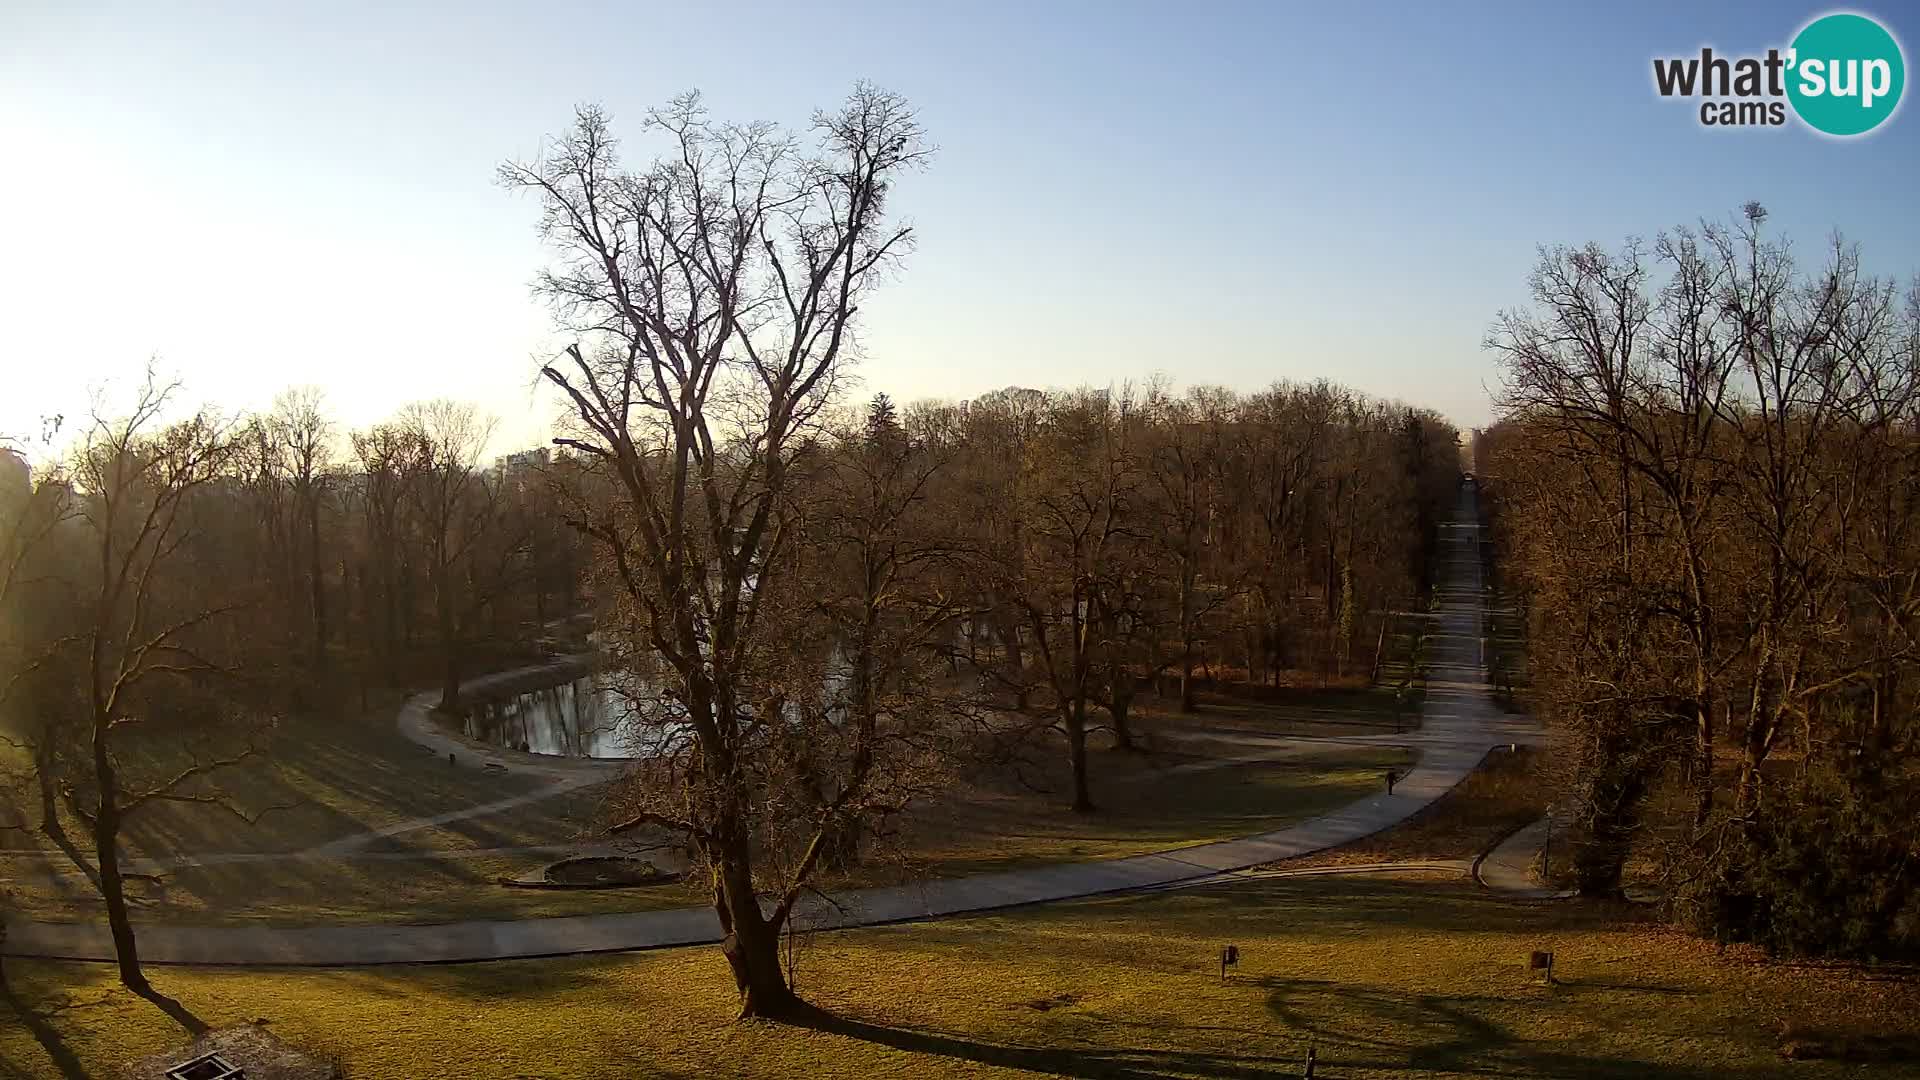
x=1229, y=956
x=1546, y=849
x=1310, y=1059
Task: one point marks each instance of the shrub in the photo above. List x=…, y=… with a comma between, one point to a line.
x=1825, y=866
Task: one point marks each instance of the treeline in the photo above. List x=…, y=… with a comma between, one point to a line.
x=367, y=557
x=1707, y=490
x=1115, y=539
x=179, y=581
x=1088, y=545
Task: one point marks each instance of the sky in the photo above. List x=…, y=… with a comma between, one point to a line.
x=257, y=196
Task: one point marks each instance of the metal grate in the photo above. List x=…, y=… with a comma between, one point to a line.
x=207, y=1067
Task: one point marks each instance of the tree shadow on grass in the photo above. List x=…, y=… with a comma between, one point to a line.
x=175, y=1011
x=45, y=1034
x=1380, y=1028
x=544, y=982
x=1126, y=1063
x=1359, y=904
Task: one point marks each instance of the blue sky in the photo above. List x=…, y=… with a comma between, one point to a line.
x=263, y=196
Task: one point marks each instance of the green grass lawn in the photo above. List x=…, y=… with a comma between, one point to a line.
x=343, y=776
x=327, y=777
x=1384, y=978
x=429, y=890
x=1149, y=803
x=337, y=777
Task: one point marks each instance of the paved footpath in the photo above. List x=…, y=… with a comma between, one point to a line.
x=1460, y=723
x=1510, y=867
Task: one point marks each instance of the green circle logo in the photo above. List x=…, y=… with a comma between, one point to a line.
x=1846, y=73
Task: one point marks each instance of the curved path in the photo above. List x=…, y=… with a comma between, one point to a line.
x=1459, y=724
x=1511, y=866
x=416, y=723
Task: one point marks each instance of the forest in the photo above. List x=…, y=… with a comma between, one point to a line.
x=1705, y=494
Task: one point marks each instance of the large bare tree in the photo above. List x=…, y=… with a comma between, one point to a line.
x=300, y=432
x=154, y=701
x=878, y=568
x=1706, y=456
x=472, y=550
x=1073, y=571
x=715, y=294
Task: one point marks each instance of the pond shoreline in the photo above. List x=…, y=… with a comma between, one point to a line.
x=504, y=686
x=558, y=709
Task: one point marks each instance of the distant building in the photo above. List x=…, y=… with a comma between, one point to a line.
x=537, y=458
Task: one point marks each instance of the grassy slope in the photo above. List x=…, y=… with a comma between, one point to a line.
x=356, y=773
x=1276, y=710
x=326, y=778
x=1386, y=978
x=1149, y=803
x=338, y=778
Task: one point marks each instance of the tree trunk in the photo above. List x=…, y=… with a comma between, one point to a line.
x=390, y=618
x=1187, y=577
x=318, y=585
x=50, y=826
x=1756, y=743
x=1331, y=581
x=752, y=943
x=1186, y=677
x=106, y=855
x=126, y=951
x=1016, y=663
x=449, y=644
x=450, y=678
x=1077, y=755
x=1703, y=762
x=44, y=772
x=1122, y=705
x=1610, y=813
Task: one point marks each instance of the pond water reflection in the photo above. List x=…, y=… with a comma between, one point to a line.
x=578, y=719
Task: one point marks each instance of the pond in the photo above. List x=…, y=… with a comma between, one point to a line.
x=587, y=718
x=581, y=719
